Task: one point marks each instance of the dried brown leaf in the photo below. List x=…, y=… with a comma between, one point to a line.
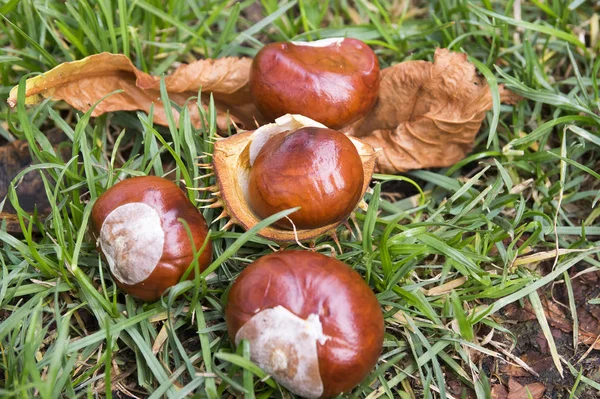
x=427, y=114
x=13, y=226
x=445, y=288
x=518, y=391
x=585, y=288
x=588, y=315
x=513, y=370
x=540, y=363
x=499, y=392
x=82, y=83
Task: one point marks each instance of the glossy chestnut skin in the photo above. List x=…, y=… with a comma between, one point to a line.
x=318, y=169
x=308, y=283
x=336, y=84
x=168, y=203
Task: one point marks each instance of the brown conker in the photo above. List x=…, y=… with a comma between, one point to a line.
x=137, y=227
x=312, y=322
x=318, y=169
x=333, y=81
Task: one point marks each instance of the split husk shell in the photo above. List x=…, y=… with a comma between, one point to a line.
x=232, y=164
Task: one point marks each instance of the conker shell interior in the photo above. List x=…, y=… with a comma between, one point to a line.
x=171, y=204
x=232, y=167
x=308, y=283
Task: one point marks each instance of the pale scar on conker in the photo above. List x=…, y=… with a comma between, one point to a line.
x=333, y=81
x=293, y=162
x=312, y=322
x=137, y=227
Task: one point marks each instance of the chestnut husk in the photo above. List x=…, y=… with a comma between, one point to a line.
x=231, y=165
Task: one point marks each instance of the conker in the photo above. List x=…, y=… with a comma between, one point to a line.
x=138, y=230
x=333, y=81
x=316, y=168
x=312, y=322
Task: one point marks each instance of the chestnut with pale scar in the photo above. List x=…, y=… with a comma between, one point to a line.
x=312, y=322
x=138, y=228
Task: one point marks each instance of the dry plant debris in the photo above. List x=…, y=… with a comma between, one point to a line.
x=426, y=115
x=518, y=391
x=585, y=287
x=73, y=322
x=85, y=82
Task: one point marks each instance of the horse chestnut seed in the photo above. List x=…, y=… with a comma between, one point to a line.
x=312, y=322
x=138, y=230
x=333, y=81
x=316, y=168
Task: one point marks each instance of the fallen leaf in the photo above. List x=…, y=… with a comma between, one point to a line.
x=513, y=370
x=13, y=226
x=518, y=391
x=515, y=312
x=82, y=83
x=427, y=114
x=499, y=392
x=457, y=388
x=588, y=315
x=585, y=288
x=540, y=363
x=400, y=317
x=160, y=339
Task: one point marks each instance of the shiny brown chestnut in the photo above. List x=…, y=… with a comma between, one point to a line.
x=137, y=227
x=318, y=169
x=333, y=81
x=312, y=322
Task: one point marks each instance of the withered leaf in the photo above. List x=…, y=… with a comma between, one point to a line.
x=427, y=114
x=540, y=363
x=82, y=83
x=12, y=223
x=513, y=370
x=588, y=315
x=518, y=391
x=499, y=391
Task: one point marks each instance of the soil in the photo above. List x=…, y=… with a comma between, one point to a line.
x=532, y=347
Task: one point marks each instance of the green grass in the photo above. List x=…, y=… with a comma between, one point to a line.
x=531, y=185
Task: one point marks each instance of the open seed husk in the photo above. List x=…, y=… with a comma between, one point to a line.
x=232, y=161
